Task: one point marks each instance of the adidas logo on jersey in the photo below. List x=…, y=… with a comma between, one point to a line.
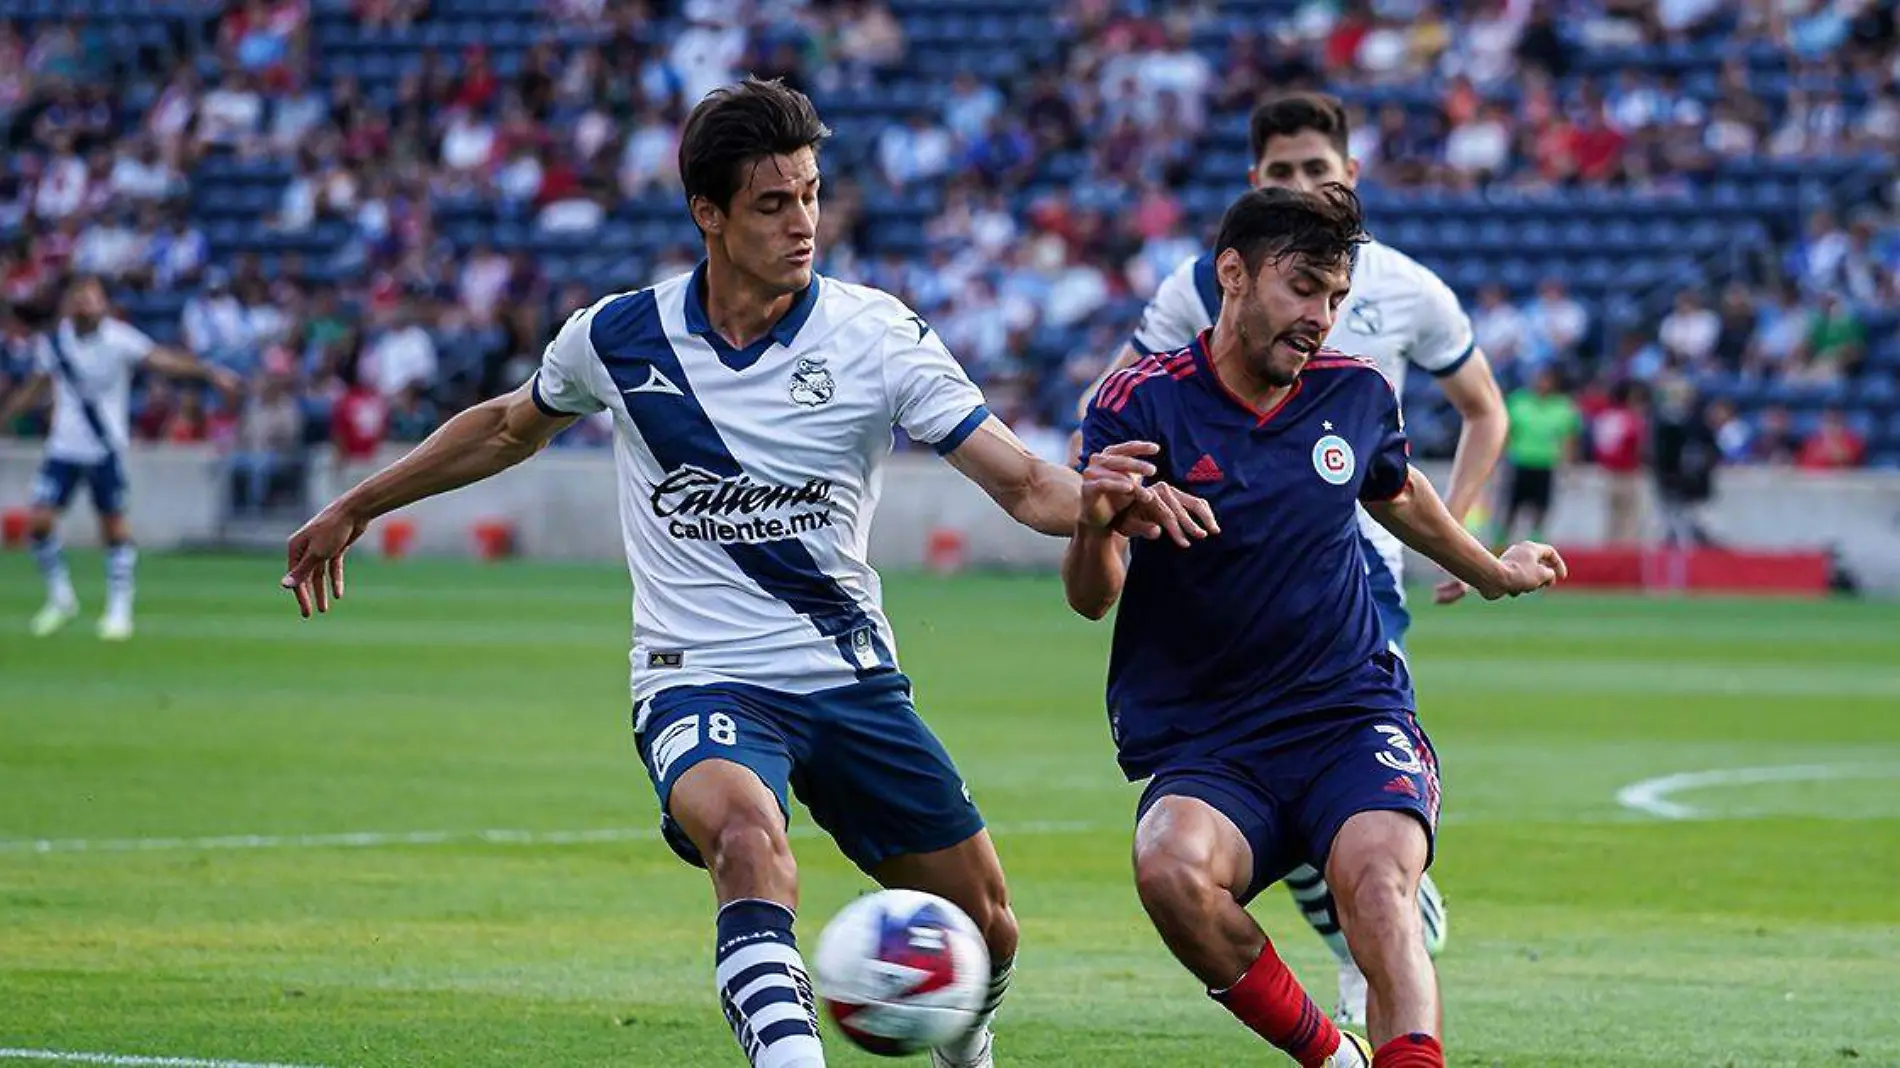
x=1205, y=470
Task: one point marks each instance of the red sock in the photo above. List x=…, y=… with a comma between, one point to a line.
x=1410, y=1051
x=1269, y=1000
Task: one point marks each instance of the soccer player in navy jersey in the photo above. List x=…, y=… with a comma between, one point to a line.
x=1249, y=680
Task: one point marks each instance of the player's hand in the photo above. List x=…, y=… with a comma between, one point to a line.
x=1169, y=510
x=1450, y=591
x=1528, y=566
x=226, y=382
x=1075, y=447
x=1113, y=482
x=315, y=559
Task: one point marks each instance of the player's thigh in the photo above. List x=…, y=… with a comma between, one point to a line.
x=715, y=754
x=105, y=480
x=876, y=778
x=1380, y=763
x=1214, y=821
x=53, y=488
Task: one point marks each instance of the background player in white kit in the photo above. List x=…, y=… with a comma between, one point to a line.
x=753, y=405
x=1398, y=314
x=89, y=359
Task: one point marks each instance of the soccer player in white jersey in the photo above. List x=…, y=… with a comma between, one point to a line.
x=89, y=358
x=1399, y=315
x=753, y=405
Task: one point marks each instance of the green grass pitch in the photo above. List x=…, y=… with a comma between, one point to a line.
x=446, y=699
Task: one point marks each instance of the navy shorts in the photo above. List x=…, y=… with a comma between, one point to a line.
x=1290, y=795
x=59, y=479
x=859, y=758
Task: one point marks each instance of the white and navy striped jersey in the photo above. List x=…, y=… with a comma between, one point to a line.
x=748, y=477
x=101, y=365
x=1398, y=315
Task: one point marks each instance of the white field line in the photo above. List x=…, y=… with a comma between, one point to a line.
x=1652, y=796
x=130, y=1060
x=382, y=839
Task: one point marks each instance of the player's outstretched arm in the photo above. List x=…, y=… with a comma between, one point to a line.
x=1036, y=493
x=479, y=442
x=1422, y=521
x=178, y=363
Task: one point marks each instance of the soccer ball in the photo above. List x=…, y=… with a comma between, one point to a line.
x=901, y=971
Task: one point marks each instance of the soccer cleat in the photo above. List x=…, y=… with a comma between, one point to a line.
x=115, y=626
x=55, y=615
x=985, y=1055
x=1353, y=1052
x=1352, y=996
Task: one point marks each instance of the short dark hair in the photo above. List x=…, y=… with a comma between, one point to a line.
x=1292, y=113
x=1323, y=227
x=738, y=125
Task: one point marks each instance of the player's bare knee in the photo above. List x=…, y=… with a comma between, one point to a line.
x=997, y=921
x=1376, y=891
x=1175, y=884
x=751, y=857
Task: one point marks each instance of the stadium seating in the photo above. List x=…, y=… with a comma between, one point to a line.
x=1624, y=253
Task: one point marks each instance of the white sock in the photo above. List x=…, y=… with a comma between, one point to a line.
x=52, y=560
x=965, y=1049
x=121, y=562
x=1315, y=900
x=763, y=986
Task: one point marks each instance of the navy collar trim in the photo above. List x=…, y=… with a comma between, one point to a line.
x=785, y=331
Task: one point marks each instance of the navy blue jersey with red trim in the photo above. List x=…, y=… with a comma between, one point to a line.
x=1270, y=625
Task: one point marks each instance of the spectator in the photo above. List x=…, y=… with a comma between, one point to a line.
x=1734, y=439
x=1618, y=436
x=1686, y=453
x=916, y=151
x=359, y=420
x=1557, y=322
x=399, y=352
x=1833, y=446
x=1774, y=441
x=1690, y=331
x=1503, y=332
x=269, y=442
x=231, y=115
x=1836, y=342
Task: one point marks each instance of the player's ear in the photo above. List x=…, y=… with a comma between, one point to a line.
x=707, y=214
x=1352, y=171
x=1230, y=268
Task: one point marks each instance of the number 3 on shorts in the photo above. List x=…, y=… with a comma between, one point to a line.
x=1402, y=756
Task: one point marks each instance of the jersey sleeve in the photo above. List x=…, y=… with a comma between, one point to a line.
x=1443, y=340
x=930, y=395
x=131, y=344
x=1174, y=315
x=568, y=382
x=1113, y=418
x=1389, y=467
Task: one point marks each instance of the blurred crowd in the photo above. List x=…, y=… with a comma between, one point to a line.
x=383, y=334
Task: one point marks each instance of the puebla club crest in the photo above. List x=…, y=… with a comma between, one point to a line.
x=812, y=384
